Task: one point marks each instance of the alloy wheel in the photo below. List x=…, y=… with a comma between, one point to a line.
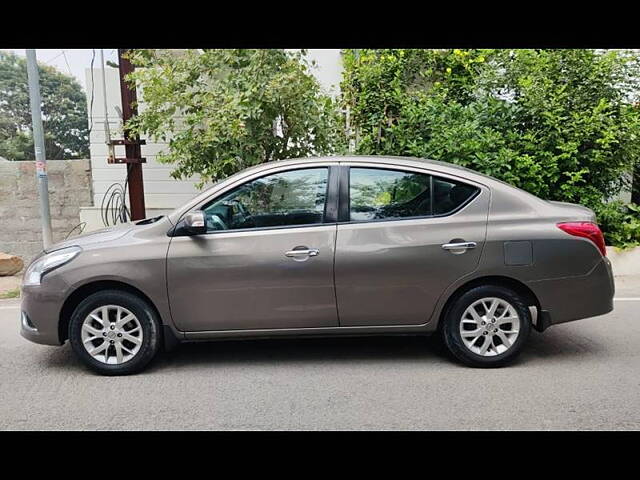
x=111, y=334
x=489, y=326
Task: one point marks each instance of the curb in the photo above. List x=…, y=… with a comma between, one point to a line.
x=624, y=262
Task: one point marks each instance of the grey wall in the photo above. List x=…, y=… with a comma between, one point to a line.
x=20, y=225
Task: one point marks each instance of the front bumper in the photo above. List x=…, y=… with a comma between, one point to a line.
x=574, y=298
x=40, y=312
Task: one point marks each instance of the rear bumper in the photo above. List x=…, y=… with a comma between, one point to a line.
x=573, y=298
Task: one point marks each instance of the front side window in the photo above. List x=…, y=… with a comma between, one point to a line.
x=296, y=197
x=377, y=194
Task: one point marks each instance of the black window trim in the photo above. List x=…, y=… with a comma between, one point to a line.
x=331, y=205
x=329, y=216
x=344, y=197
x=344, y=209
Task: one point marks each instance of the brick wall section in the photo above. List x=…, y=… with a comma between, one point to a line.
x=20, y=223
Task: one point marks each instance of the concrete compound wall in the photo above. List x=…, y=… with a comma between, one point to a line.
x=624, y=262
x=20, y=222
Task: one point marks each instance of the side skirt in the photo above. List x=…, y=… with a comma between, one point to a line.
x=308, y=332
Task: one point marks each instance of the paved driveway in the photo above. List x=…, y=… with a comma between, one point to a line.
x=581, y=375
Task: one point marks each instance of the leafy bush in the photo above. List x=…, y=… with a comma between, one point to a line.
x=620, y=223
x=225, y=110
x=560, y=124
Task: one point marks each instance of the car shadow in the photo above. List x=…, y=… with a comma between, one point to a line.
x=549, y=346
x=304, y=350
x=553, y=345
x=564, y=341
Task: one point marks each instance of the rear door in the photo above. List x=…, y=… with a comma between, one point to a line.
x=404, y=235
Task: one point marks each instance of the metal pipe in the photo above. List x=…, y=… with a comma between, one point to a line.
x=104, y=96
x=107, y=129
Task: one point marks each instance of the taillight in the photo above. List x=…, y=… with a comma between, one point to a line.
x=587, y=230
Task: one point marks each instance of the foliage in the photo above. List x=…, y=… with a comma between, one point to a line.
x=14, y=293
x=560, y=124
x=224, y=110
x=620, y=223
x=64, y=112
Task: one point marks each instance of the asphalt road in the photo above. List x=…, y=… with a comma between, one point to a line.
x=581, y=375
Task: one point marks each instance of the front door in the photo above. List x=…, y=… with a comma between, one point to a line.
x=391, y=266
x=266, y=261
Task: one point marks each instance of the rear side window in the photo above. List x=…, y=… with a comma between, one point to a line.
x=449, y=195
x=378, y=194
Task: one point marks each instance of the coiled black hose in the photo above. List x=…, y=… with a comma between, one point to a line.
x=113, y=208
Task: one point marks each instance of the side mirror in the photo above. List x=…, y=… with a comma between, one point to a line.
x=193, y=223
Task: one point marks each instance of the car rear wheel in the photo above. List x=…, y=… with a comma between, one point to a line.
x=487, y=326
x=114, y=332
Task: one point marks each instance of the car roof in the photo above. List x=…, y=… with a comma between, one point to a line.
x=383, y=159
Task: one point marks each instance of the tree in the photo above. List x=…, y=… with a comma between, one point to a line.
x=558, y=123
x=224, y=110
x=64, y=112
x=561, y=124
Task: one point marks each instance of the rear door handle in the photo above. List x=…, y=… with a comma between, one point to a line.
x=308, y=252
x=459, y=245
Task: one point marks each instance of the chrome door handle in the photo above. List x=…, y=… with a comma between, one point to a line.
x=309, y=252
x=459, y=246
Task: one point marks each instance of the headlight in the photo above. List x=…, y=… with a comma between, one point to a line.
x=47, y=263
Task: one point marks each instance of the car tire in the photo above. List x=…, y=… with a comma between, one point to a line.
x=131, y=346
x=460, y=321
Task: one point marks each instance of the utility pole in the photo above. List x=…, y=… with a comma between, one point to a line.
x=133, y=155
x=38, y=144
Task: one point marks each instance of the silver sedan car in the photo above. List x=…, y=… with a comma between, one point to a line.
x=323, y=247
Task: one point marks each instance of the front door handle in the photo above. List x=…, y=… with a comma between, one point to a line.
x=459, y=245
x=302, y=252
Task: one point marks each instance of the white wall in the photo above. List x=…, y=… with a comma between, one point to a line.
x=329, y=68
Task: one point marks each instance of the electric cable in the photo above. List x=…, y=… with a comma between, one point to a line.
x=113, y=208
x=64, y=55
x=81, y=225
x=53, y=58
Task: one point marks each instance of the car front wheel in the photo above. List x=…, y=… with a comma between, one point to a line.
x=114, y=332
x=487, y=326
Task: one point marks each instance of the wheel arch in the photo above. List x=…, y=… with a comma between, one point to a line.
x=529, y=297
x=83, y=291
